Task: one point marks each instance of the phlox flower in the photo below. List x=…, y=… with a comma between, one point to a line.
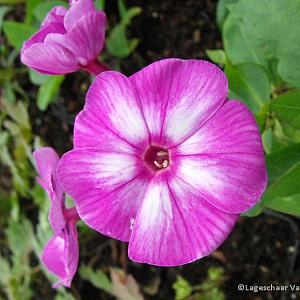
x=60, y=256
x=164, y=160
x=68, y=40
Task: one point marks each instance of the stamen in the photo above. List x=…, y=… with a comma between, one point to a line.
x=162, y=153
x=159, y=165
x=165, y=163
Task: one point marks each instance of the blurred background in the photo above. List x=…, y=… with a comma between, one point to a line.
x=38, y=110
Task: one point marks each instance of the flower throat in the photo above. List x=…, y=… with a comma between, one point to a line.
x=157, y=158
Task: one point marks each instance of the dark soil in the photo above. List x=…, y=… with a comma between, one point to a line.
x=259, y=251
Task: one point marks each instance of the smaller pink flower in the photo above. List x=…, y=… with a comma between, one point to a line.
x=60, y=256
x=68, y=40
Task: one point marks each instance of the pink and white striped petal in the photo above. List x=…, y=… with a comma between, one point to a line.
x=85, y=39
x=174, y=226
x=55, y=15
x=224, y=160
x=178, y=97
x=46, y=162
x=111, y=116
x=50, y=58
x=61, y=255
x=40, y=36
x=107, y=188
x=77, y=10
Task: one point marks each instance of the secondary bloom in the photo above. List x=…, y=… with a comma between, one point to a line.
x=163, y=160
x=68, y=40
x=60, y=256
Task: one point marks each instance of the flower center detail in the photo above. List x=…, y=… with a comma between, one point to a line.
x=157, y=158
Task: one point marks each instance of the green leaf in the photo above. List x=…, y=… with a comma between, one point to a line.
x=217, y=56
x=37, y=78
x=222, y=11
x=17, y=32
x=287, y=107
x=265, y=32
x=130, y=14
x=284, y=177
x=122, y=9
x=15, y=233
x=64, y=295
x=10, y=2
x=18, y=112
x=282, y=161
x=42, y=9
x=268, y=140
x=250, y=83
x=5, y=271
x=100, y=4
x=30, y=6
x=289, y=204
x=253, y=212
x=182, y=288
x=48, y=91
x=3, y=11
x=236, y=45
x=117, y=43
x=98, y=278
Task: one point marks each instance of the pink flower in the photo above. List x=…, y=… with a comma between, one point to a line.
x=68, y=40
x=163, y=160
x=60, y=256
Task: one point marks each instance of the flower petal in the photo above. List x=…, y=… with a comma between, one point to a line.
x=111, y=114
x=61, y=255
x=86, y=38
x=55, y=15
x=77, y=10
x=224, y=160
x=40, y=36
x=178, y=97
x=49, y=58
x=107, y=188
x=53, y=256
x=46, y=162
x=175, y=226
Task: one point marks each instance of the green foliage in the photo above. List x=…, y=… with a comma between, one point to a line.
x=100, y=4
x=250, y=83
x=261, y=61
x=287, y=107
x=210, y=289
x=17, y=32
x=222, y=11
x=48, y=91
x=37, y=78
x=16, y=273
x=11, y=1
x=3, y=11
x=97, y=278
x=253, y=32
x=217, y=56
x=284, y=177
x=30, y=6
x=41, y=10
x=182, y=288
x=117, y=42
